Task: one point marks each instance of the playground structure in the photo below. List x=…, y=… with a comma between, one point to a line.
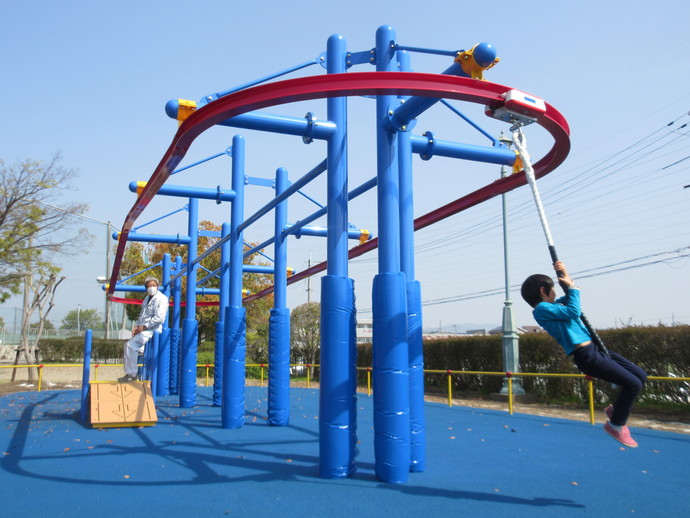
x=400, y=97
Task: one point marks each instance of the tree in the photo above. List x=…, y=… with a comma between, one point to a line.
x=82, y=319
x=31, y=229
x=305, y=333
x=39, y=294
x=32, y=232
x=47, y=326
x=133, y=261
x=257, y=311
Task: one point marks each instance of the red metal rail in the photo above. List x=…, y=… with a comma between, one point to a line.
x=339, y=85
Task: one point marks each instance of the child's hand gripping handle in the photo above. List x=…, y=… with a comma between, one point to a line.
x=554, y=260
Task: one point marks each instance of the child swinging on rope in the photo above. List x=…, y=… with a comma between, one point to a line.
x=561, y=319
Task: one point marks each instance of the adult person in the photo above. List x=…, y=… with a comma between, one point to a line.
x=154, y=309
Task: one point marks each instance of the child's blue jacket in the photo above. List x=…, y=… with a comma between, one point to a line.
x=561, y=319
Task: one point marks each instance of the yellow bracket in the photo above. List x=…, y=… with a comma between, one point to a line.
x=518, y=165
x=364, y=236
x=470, y=66
x=184, y=110
x=140, y=187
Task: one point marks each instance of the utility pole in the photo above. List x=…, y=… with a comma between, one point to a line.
x=107, y=269
x=309, y=280
x=510, y=341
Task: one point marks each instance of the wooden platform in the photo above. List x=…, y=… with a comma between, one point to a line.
x=116, y=404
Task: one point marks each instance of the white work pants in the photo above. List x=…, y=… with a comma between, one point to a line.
x=133, y=348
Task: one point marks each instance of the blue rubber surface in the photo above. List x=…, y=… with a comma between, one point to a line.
x=479, y=463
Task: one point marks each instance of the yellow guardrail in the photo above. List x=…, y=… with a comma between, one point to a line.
x=449, y=373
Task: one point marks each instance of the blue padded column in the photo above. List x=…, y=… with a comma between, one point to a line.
x=338, y=399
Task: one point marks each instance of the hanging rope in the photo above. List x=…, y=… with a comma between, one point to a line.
x=520, y=143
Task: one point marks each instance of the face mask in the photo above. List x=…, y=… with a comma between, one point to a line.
x=151, y=291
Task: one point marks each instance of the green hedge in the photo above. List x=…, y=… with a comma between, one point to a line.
x=659, y=350
x=69, y=350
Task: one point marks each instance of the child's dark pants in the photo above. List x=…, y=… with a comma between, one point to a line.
x=614, y=369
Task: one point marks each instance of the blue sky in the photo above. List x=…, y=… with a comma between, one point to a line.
x=91, y=79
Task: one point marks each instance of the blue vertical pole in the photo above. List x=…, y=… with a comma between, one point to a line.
x=86, y=376
x=337, y=397
x=190, y=325
x=390, y=349
x=279, y=321
x=163, y=378
x=414, y=298
x=151, y=362
x=220, y=324
x=234, y=356
x=175, y=334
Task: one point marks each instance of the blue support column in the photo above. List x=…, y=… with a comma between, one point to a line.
x=163, y=377
x=279, y=322
x=337, y=397
x=220, y=324
x=190, y=326
x=86, y=377
x=414, y=298
x=150, y=369
x=234, y=356
x=175, y=334
x=390, y=350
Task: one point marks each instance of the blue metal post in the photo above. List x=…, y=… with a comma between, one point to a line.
x=413, y=289
x=190, y=325
x=279, y=322
x=175, y=334
x=337, y=403
x=234, y=356
x=163, y=378
x=390, y=348
x=150, y=368
x=86, y=376
x=220, y=324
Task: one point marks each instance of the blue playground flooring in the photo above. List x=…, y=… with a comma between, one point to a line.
x=479, y=463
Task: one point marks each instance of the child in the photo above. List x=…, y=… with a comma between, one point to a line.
x=561, y=319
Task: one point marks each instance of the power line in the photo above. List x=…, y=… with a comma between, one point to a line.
x=497, y=291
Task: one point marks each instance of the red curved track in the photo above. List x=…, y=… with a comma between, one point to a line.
x=340, y=85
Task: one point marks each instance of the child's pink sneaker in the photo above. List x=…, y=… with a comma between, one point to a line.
x=622, y=436
x=609, y=411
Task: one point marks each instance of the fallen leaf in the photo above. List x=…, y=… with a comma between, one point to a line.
x=573, y=483
x=125, y=476
x=452, y=437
